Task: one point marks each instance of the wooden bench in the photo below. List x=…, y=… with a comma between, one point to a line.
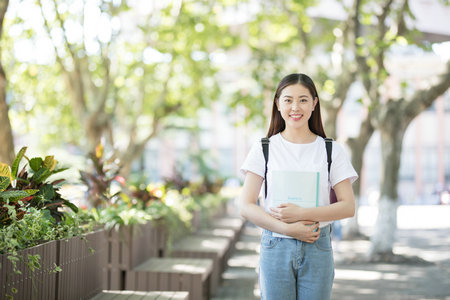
x=234, y=223
x=195, y=246
x=230, y=234
x=136, y=295
x=172, y=274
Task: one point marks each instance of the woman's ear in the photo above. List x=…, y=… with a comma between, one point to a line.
x=315, y=102
x=276, y=103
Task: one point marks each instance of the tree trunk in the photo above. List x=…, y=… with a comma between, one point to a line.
x=330, y=122
x=358, y=146
x=392, y=129
x=6, y=135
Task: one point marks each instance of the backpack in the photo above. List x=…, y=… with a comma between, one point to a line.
x=329, y=147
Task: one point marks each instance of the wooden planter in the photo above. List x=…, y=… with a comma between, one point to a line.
x=82, y=262
x=40, y=284
x=130, y=246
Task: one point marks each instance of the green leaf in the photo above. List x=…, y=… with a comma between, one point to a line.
x=72, y=206
x=35, y=163
x=59, y=170
x=17, y=195
x=15, y=165
x=4, y=183
x=40, y=175
x=47, y=192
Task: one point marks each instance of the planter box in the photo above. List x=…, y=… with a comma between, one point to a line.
x=82, y=269
x=81, y=276
x=40, y=284
x=130, y=246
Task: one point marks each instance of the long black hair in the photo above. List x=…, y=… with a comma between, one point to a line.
x=277, y=123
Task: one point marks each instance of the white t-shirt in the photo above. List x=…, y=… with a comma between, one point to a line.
x=312, y=157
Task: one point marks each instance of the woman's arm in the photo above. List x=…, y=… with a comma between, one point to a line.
x=255, y=214
x=344, y=208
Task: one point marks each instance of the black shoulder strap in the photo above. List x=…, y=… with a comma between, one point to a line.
x=329, y=146
x=265, y=144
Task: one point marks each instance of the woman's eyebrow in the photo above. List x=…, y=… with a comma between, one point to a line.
x=301, y=96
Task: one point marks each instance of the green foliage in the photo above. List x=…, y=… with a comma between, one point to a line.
x=164, y=70
x=19, y=190
x=36, y=226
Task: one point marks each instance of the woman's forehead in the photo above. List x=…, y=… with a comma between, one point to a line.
x=296, y=90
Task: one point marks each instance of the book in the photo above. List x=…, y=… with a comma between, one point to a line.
x=299, y=188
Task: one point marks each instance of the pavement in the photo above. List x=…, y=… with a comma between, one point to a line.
x=424, y=231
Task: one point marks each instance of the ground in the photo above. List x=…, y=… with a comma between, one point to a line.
x=424, y=232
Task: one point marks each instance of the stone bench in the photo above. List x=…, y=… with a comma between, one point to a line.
x=172, y=274
x=137, y=295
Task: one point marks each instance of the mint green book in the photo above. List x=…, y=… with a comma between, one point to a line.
x=300, y=188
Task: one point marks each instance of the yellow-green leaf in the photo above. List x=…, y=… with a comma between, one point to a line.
x=50, y=162
x=15, y=165
x=4, y=183
x=5, y=171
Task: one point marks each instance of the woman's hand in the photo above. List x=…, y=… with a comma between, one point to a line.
x=304, y=231
x=286, y=212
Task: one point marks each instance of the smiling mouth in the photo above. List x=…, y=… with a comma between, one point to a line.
x=296, y=117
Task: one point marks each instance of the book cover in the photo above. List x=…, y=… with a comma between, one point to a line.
x=299, y=188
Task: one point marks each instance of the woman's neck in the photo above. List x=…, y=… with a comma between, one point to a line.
x=299, y=136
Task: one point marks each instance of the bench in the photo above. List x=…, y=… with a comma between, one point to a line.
x=234, y=223
x=136, y=295
x=172, y=274
x=195, y=246
x=230, y=234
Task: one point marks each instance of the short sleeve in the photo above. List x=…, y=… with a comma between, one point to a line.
x=254, y=161
x=341, y=167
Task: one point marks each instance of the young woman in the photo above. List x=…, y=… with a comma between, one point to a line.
x=296, y=258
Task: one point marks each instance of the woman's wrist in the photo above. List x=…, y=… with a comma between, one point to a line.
x=304, y=214
x=286, y=229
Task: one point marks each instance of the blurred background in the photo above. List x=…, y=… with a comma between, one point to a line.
x=182, y=89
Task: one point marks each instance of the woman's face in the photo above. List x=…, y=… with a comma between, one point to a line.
x=296, y=105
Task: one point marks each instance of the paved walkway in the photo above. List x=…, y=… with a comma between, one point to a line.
x=358, y=280
x=240, y=280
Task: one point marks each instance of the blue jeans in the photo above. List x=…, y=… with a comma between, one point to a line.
x=290, y=269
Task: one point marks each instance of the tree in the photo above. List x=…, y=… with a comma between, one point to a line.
x=391, y=116
x=283, y=39
x=392, y=120
x=6, y=136
x=125, y=84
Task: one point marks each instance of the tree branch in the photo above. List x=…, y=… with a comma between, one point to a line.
x=423, y=99
x=361, y=63
x=303, y=35
x=382, y=29
x=73, y=79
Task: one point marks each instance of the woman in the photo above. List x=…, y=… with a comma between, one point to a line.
x=296, y=259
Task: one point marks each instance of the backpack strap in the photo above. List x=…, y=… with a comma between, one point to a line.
x=329, y=146
x=265, y=145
